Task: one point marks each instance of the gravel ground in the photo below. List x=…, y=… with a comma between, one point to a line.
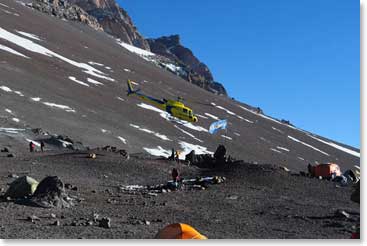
x=255, y=201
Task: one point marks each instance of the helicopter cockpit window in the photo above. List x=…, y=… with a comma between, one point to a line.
x=184, y=110
x=190, y=114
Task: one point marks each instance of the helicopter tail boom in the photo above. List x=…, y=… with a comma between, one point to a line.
x=130, y=89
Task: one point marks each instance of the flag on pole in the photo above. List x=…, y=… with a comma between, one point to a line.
x=215, y=126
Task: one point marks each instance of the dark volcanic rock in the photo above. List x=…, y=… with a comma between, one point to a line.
x=105, y=223
x=196, y=72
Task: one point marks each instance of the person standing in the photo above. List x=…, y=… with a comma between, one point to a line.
x=42, y=146
x=31, y=146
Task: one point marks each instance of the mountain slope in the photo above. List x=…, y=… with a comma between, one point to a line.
x=76, y=86
x=108, y=16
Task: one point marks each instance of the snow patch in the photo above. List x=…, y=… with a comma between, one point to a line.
x=121, y=99
x=228, y=112
x=187, y=148
x=264, y=139
x=212, y=116
x=349, y=151
x=172, y=67
x=237, y=134
x=122, y=139
x=65, y=144
x=282, y=148
x=19, y=93
x=241, y=118
x=64, y=107
x=201, y=116
x=11, y=130
x=159, y=151
x=31, y=46
x=10, y=50
x=135, y=50
x=226, y=137
x=78, y=81
x=302, y=159
x=9, y=111
x=275, y=129
x=187, y=133
x=105, y=131
x=29, y=35
x=36, y=99
x=8, y=12
x=158, y=135
x=95, y=82
x=232, y=113
x=5, y=88
x=275, y=150
x=129, y=71
x=95, y=63
x=310, y=146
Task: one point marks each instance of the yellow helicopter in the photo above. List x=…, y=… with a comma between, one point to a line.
x=173, y=107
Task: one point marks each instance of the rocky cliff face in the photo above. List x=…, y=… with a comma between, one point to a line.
x=65, y=10
x=196, y=71
x=114, y=20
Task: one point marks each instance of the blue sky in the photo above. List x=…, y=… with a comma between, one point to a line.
x=297, y=60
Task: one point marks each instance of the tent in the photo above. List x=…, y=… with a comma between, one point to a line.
x=325, y=170
x=21, y=187
x=179, y=231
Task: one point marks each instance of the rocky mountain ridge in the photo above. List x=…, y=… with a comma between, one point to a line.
x=196, y=71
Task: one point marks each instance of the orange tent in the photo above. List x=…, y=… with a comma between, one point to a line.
x=326, y=170
x=179, y=231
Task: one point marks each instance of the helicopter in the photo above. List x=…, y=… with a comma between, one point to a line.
x=174, y=107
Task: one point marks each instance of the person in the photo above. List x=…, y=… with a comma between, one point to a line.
x=177, y=156
x=175, y=175
x=175, y=184
x=31, y=146
x=172, y=157
x=42, y=146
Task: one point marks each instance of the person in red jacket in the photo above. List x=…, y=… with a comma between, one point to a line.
x=31, y=146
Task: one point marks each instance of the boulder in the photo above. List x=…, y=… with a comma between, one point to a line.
x=220, y=153
x=191, y=157
x=51, y=193
x=5, y=150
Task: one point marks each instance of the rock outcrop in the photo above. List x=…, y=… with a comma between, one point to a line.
x=65, y=10
x=196, y=71
x=114, y=20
